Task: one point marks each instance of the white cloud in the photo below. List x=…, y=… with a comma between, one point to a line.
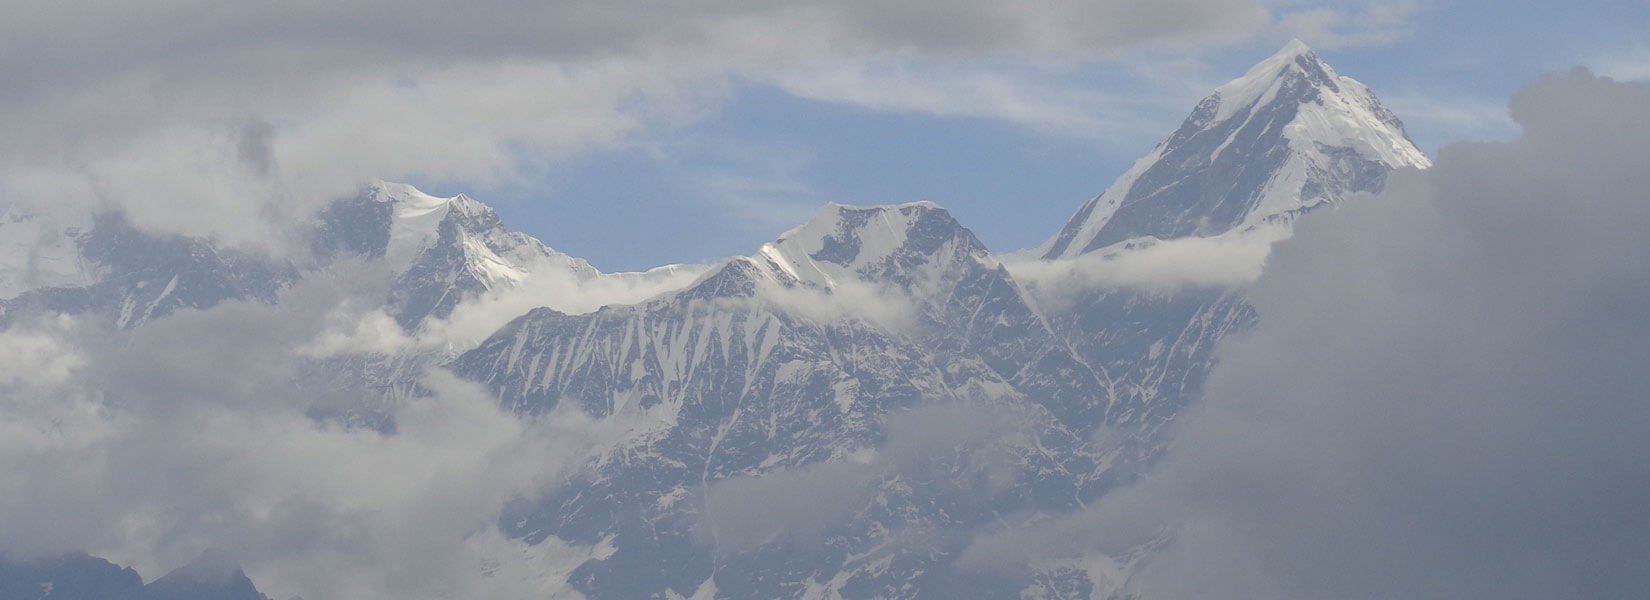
x=887, y=308
x=352, y=331
x=148, y=447
x=1229, y=260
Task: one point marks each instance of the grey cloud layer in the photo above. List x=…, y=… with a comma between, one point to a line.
x=1446, y=397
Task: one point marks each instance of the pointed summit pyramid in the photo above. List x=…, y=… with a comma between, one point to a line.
x=1289, y=135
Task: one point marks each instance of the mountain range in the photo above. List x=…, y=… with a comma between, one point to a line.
x=782, y=413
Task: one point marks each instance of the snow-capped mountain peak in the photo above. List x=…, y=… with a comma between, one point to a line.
x=1266, y=77
x=415, y=220
x=846, y=243
x=1287, y=136
x=1346, y=114
x=444, y=249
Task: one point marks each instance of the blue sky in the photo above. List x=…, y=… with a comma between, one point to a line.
x=638, y=134
x=765, y=158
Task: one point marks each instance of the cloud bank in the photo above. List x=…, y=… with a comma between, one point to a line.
x=1445, y=397
x=192, y=433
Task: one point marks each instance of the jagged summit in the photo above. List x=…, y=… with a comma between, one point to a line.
x=1287, y=136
